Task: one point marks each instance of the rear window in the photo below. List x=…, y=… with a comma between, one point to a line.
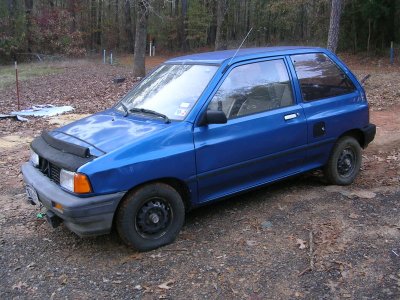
x=320, y=77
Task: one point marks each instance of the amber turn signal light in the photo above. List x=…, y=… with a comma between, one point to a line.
x=58, y=206
x=81, y=184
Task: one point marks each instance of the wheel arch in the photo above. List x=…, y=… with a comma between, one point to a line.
x=355, y=133
x=177, y=184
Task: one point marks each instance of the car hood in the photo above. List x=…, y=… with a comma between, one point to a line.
x=106, y=131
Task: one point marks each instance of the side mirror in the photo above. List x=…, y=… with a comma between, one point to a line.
x=213, y=117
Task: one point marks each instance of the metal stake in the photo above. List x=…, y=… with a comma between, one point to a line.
x=16, y=80
x=150, y=48
x=391, y=53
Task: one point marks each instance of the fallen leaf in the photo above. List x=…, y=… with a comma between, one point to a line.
x=135, y=256
x=266, y=224
x=19, y=285
x=156, y=255
x=63, y=279
x=353, y=216
x=147, y=289
x=301, y=243
x=332, y=285
x=346, y=295
x=364, y=194
x=166, y=285
x=251, y=243
x=31, y=265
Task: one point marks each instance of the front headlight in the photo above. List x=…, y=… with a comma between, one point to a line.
x=75, y=182
x=34, y=158
x=67, y=180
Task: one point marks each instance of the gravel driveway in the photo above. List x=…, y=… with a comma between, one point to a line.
x=297, y=239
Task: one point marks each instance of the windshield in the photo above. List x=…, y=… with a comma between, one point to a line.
x=171, y=90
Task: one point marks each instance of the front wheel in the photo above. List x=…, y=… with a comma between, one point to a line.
x=344, y=162
x=150, y=217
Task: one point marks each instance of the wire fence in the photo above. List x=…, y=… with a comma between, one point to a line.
x=38, y=57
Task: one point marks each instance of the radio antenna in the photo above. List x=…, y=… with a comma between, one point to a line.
x=245, y=38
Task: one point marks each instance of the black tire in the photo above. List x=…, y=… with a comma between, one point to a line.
x=150, y=217
x=344, y=162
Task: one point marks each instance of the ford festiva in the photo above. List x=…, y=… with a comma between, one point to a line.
x=199, y=128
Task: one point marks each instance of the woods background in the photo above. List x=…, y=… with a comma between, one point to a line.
x=79, y=27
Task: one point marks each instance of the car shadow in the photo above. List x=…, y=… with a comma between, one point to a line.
x=203, y=215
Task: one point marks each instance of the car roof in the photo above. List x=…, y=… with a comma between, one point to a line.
x=218, y=57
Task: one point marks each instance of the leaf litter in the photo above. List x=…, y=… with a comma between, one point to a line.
x=352, y=247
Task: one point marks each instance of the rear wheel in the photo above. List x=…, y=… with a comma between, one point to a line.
x=150, y=216
x=344, y=162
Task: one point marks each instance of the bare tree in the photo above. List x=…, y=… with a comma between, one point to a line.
x=334, y=25
x=93, y=19
x=142, y=12
x=28, y=16
x=71, y=6
x=99, y=34
x=128, y=26
x=117, y=22
x=184, y=23
x=220, y=42
x=11, y=7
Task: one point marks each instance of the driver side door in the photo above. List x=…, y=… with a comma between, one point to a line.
x=265, y=135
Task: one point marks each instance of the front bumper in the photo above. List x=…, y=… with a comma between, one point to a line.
x=84, y=216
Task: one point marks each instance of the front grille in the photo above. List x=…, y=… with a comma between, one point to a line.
x=55, y=173
x=50, y=170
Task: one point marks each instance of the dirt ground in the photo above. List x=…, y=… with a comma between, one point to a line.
x=297, y=239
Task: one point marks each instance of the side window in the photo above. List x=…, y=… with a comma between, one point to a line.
x=254, y=88
x=320, y=77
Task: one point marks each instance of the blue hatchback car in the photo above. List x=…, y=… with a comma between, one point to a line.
x=199, y=128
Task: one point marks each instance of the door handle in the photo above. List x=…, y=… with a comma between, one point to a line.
x=291, y=116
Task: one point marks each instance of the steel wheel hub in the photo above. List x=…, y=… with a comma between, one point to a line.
x=346, y=162
x=153, y=217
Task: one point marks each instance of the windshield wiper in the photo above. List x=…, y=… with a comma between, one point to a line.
x=125, y=109
x=150, y=112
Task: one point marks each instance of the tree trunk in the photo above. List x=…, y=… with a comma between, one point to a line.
x=369, y=35
x=11, y=8
x=100, y=25
x=72, y=11
x=184, y=22
x=28, y=16
x=117, y=23
x=334, y=25
x=92, y=24
x=354, y=27
x=128, y=26
x=213, y=26
x=396, y=21
x=142, y=11
x=220, y=42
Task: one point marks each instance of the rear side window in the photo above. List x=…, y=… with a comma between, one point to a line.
x=254, y=88
x=320, y=77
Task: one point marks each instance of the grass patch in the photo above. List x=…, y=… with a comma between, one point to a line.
x=25, y=71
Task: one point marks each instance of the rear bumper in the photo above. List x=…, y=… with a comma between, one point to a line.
x=84, y=216
x=369, y=134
